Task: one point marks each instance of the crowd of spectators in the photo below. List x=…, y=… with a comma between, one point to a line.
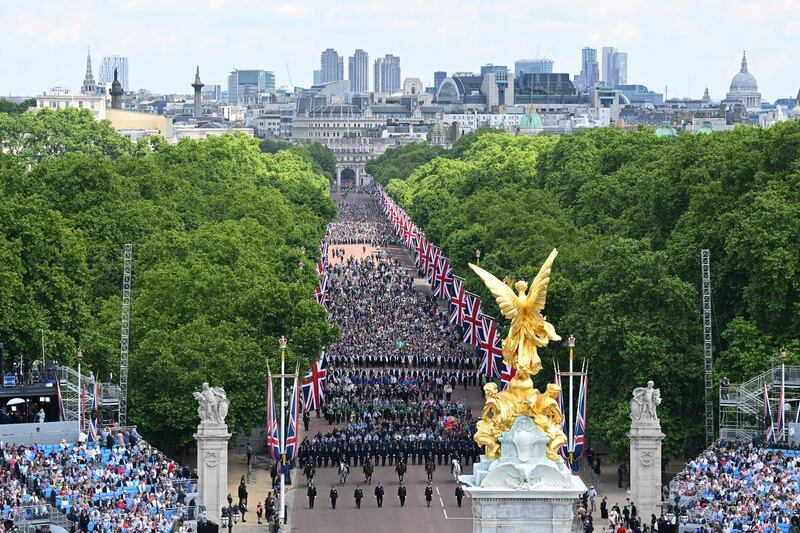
x=361, y=223
x=742, y=487
x=115, y=482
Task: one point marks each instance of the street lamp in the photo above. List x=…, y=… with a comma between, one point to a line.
x=571, y=341
x=282, y=345
x=79, y=357
x=478, y=256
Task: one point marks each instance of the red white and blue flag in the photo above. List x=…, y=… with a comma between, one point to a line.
x=473, y=319
x=458, y=302
x=425, y=258
x=313, y=386
x=580, y=421
x=434, y=253
x=322, y=265
x=490, y=349
x=321, y=292
x=780, y=425
x=507, y=373
x=443, y=279
x=273, y=440
x=95, y=416
x=769, y=433
x=61, y=417
x=292, y=432
x=421, y=248
x=564, y=450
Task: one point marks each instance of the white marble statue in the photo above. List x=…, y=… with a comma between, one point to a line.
x=212, y=404
x=644, y=403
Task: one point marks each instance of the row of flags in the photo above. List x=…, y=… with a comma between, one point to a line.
x=479, y=330
x=287, y=455
x=579, y=436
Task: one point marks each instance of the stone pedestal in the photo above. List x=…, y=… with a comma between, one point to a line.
x=523, y=490
x=212, y=466
x=645, y=461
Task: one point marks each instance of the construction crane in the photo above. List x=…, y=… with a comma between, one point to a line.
x=125, y=334
x=291, y=83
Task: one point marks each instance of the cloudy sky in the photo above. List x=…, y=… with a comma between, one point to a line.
x=682, y=44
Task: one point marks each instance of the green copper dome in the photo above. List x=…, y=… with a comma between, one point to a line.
x=531, y=120
x=705, y=129
x=665, y=130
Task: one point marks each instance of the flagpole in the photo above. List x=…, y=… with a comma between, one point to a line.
x=783, y=381
x=571, y=442
x=282, y=345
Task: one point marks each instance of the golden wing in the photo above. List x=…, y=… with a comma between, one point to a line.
x=537, y=294
x=503, y=294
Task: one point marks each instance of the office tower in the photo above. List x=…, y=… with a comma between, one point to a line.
x=386, y=74
x=615, y=67
x=590, y=69
x=438, y=78
x=107, y=66
x=358, y=71
x=248, y=87
x=532, y=66
x=331, y=66
x=317, y=77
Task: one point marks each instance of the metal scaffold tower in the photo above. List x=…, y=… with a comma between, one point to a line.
x=708, y=355
x=124, y=335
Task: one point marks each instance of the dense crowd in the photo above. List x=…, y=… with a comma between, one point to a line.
x=742, y=487
x=360, y=223
x=115, y=483
x=386, y=322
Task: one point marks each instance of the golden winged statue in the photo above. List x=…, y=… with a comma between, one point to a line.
x=529, y=331
x=529, y=328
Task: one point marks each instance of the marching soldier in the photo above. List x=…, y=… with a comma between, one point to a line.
x=358, y=494
x=379, y=494
x=311, y=493
x=335, y=495
x=429, y=493
x=459, y=494
x=401, y=493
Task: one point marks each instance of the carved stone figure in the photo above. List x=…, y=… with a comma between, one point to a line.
x=644, y=403
x=212, y=404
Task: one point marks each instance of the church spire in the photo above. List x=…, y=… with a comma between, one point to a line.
x=744, y=61
x=88, y=79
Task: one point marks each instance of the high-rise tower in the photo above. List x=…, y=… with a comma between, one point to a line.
x=89, y=86
x=198, y=96
x=358, y=71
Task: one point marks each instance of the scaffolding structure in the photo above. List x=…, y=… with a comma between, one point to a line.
x=708, y=349
x=125, y=335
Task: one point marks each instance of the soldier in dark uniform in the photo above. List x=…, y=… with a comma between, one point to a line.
x=428, y=493
x=312, y=493
x=306, y=420
x=459, y=494
x=380, y=450
x=335, y=495
x=379, y=494
x=392, y=452
x=358, y=494
x=401, y=493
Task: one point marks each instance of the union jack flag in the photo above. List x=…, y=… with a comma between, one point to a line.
x=564, y=450
x=292, y=431
x=443, y=279
x=769, y=434
x=94, y=419
x=457, y=302
x=780, y=425
x=313, y=385
x=409, y=234
x=490, y=348
x=580, y=422
x=321, y=292
x=322, y=265
x=473, y=319
x=434, y=253
x=273, y=441
x=421, y=248
x=323, y=245
x=507, y=373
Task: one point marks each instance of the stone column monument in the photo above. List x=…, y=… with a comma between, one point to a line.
x=212, y=449
x=645, y=458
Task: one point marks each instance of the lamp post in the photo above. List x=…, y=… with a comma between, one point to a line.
x=230, y=515
x=79, y=356
x=282, y=346
x=571, y=447
x=783, y=400
x=478, y=256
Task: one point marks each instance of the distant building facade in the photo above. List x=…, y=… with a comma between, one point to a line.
x=532, y=66
x=615, y=67
x=358, y=71
x=386, y=74
x=331, y=66
x=248, y=87
x=590, y=70
x=438, y=78
x=107, y=66
x=744, y=88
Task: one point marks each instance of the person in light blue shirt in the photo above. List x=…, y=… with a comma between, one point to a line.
x=40, y=416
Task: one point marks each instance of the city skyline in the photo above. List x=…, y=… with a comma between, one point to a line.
x=43, y=45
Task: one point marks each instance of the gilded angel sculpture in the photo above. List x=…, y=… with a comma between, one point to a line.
x=529, y=328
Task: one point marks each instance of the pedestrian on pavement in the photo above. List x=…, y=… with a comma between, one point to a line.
x=604, y=508
x=312, y=493
x=306, y=420
x=620, y=475
x=249, y=455
x=259, y=511
x=275, y=526
x=242, y=492
x=401, y=493
x=459, y=494
x=243, y=510
x=334, y=496
x=379, y=494
x=428, y=493
x=592, y=498
x=358, y=494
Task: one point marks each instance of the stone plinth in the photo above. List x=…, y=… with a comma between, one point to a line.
x=212, y=466
x=645, y=461
x=522, y=490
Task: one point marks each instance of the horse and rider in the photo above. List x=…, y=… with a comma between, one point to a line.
x=309, y=471
x=368, y=470
x=430, y=466
x=455, y=469
x=344, y=470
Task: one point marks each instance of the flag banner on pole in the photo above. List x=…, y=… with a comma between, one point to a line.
x=490, y=348
x=292, y=431
x=580, y=421
x=95, y=418
x=457, y=302
x=313, y=386
x=473, y=319
x=507, y=373
x=443, y=279
x=273, y=442
x=60, y=401
x=83, y=407
x=780, y=425
x=564, y=450
x=769, y=434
